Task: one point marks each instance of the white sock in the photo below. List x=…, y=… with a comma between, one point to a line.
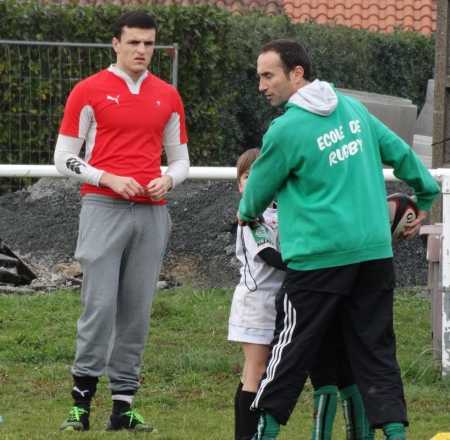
x=128, y=399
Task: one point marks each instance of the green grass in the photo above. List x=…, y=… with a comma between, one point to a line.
x=189, y=373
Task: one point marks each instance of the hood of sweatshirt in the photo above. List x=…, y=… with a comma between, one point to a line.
x=317, y=97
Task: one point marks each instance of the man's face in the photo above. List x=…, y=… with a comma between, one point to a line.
x=134, y=50
x=273, y=81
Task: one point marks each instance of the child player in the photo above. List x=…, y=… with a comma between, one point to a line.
x=252, y=317
x=252, y=322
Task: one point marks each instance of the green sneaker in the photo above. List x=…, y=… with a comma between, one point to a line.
x=128, y=420
x=78, y=420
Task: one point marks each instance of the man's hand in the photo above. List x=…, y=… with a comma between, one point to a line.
x=241, y=222
x=412, y=228
x=127, y=187
x=158, y=188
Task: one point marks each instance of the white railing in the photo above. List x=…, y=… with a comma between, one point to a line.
x=198, y=173
x=195, y=173
x=441, y=175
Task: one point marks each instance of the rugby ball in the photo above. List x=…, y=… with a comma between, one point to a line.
x=402, y=209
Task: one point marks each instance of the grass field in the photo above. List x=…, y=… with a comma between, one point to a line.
x=189, y=374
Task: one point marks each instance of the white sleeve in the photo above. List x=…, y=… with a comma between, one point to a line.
x=69, y=163
x=178, y=163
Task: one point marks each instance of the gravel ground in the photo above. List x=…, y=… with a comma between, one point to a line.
x=40, y=224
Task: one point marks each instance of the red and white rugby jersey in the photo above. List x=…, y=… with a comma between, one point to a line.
x=124, y=125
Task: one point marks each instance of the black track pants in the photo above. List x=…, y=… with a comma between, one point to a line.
x=366, y=320
x=332, y=365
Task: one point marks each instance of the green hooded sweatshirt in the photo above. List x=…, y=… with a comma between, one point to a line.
x=324, y=159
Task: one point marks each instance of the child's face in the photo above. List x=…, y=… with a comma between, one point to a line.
x=243, y=180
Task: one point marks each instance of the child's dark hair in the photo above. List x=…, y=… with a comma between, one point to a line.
x=245, y=161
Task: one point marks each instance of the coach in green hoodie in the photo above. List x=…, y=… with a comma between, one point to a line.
x=324, y=159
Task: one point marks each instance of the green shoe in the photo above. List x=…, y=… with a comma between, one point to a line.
x=128, y=420
x=78, y=420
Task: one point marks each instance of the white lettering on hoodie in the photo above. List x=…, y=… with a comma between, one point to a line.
x=319, y=98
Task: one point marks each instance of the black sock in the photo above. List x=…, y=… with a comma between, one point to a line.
x=121, y=406
x=84, y=388
x=237, y=413
x=249, y=418
x=83, y=405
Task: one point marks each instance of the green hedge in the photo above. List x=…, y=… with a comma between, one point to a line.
x=217, y=79
x=200, y=33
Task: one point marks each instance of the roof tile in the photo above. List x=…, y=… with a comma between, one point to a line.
x=382, y=15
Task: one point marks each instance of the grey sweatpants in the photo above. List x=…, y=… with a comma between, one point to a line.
x=120, y=247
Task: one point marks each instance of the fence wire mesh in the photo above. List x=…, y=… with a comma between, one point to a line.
x=35, y=80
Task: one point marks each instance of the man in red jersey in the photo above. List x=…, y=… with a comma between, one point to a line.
x=125, y=116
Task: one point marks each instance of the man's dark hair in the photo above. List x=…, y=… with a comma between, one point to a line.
x=292, y=54
x=134, y=19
